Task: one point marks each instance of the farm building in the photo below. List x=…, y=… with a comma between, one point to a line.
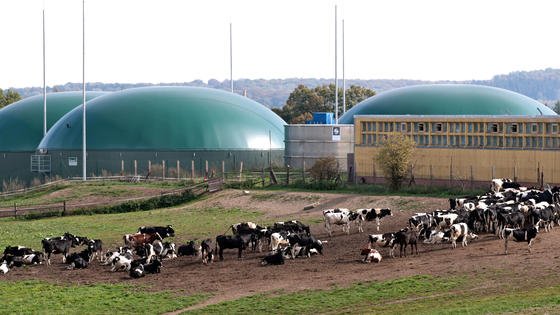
x=21, y=127
x=166, y=132
x=465, y=134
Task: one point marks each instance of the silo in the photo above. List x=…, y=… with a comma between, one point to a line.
x=167, y=131
x=21, y=130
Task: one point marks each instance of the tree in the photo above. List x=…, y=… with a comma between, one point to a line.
x=9, y=97
x=557, y=107
x=303, y=101
x=394, y=157
x=324, y=169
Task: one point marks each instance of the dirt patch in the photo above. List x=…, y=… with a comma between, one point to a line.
x=223, y=279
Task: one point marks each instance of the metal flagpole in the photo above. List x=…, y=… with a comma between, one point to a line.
x=335, y=69
x=44, y=80
x=230, y=57
x=343, y=74
x=84, y=159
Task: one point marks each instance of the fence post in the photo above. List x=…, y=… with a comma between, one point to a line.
x=122, y=167
x=262, y=176
x=163, y=169
x=240, y=170
x=135, y=168
x=15, y=210
x=178, y=170
x=149, y=167
x=206, y=169
x=287, y=174
x=192, y=169
x=303, y=172
x=223, y=170
x=63, y=207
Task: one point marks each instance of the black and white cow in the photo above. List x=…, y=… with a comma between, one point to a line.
x=163, y=231
x=460, y=231
x=96, y=249
x=293, y=226
x=279, y=240
x=381, y=240
x=339, y=216
x=308, y=242
x=370, y=215
x=164, y=250
x=79, y=260
x=520, y=235
x=230, y=242
x=153, y=267
x=56, y=246
x=207, y=251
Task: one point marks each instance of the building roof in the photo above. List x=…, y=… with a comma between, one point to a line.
x=21, y=123
x=168, y=119
x=447, y=99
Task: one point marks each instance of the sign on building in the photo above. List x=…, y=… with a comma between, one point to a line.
x=336, y=133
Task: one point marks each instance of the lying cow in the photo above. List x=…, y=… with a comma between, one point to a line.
x=79, y=260
x=520, y=235
x=273, y=259
x=188, y=249
x=371, y=255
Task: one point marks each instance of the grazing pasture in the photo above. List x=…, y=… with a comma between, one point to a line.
x=477, y=279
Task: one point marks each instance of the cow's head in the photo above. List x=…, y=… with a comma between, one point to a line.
x=385, y=212
x=170, y=231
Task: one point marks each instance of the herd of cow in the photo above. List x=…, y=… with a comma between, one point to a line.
x=509, y=211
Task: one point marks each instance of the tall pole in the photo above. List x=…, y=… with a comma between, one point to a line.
x=335, y=68
x=343, y=74
x=44, y=81
x=84, y=159
x=230, y=57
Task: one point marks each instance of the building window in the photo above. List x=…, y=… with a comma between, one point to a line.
x=554, y=128
x=534, y=128
x=438, y=127
x=493, y=127
x=421, y=127
x=403, y=127
x=514, y=128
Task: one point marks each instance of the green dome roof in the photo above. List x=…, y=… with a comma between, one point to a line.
x=21, y=123
x=447, y=99
x=168, y=119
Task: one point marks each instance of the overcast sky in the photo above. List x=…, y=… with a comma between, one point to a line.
x=132, y=41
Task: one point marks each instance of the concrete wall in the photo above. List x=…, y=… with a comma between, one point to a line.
x=304, y=144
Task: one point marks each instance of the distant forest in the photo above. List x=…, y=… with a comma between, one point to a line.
x=542, y=85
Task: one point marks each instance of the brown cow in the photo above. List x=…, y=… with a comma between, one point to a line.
x=138, y=239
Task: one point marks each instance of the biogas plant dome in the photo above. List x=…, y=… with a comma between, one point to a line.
x=447, y=99
x=169, y=119
x=21, y=123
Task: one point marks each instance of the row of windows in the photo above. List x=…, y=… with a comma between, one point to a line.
x=473, y=141
x=471, y=127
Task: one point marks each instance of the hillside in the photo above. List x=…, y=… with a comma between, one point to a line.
x=543, y=85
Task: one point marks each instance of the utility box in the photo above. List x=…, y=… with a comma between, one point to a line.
x=321, y=118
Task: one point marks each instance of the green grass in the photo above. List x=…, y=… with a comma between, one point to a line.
x=411, y=295
x=381, y=190
x=79, y=190
x=34, y=297
x=337, y=300
x=188, y=224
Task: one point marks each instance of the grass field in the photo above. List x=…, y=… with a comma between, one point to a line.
x=35, y=297
x=412, y=295
x=111, y=227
